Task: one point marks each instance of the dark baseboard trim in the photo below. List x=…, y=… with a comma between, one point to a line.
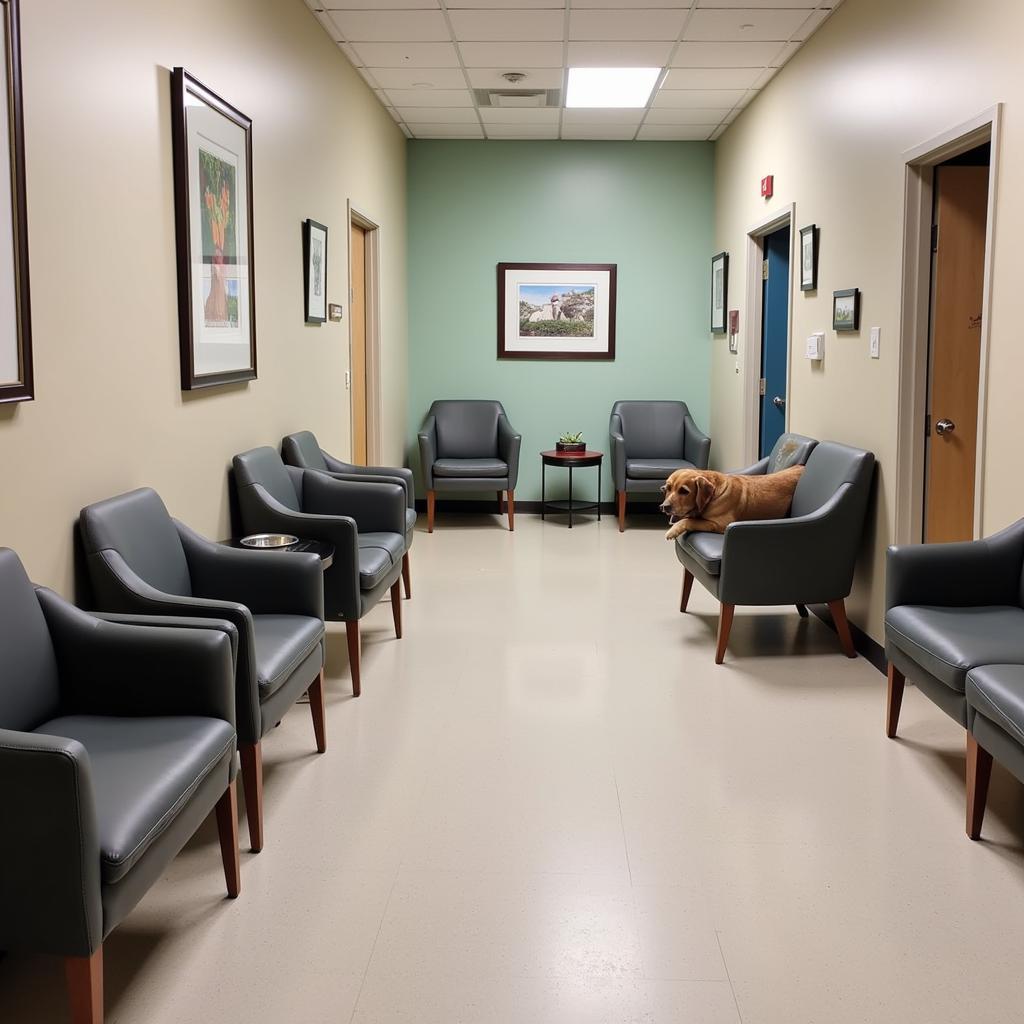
x=867, y=648
x=478, y=506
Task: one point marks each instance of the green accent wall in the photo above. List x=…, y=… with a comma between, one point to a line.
x=646, y=206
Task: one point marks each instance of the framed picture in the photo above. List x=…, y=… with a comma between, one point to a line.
x=846, y=310
x=719, y=292
x=212, y=147
x=16, y=384
x=314, y=262
x=809, y=258
x=556, y=310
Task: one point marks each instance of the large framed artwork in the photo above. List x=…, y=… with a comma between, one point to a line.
x=556, y=310
x=314, y=274
x=719, y=291
x=212, y=145
x=16, y=384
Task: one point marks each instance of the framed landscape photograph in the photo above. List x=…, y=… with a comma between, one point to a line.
x=846, y=310
x=16, y=383
x=212, y=148
x=314, y=263
x=719, y=292
x=556, y=310
x=809, y=258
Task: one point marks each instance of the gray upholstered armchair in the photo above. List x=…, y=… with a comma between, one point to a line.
x=303, y=451
x=807, y=558
x=469, y=445
x=788, y=451
x=116, y=742
x=364, y=521
x=143, y=562
x=650, y=441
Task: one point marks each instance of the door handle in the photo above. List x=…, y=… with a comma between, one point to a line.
x=945, y=427
x=779, y=402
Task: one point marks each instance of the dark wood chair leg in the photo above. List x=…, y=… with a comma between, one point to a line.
x=687, y=586
x=801, y=610
x=227, y=830
x=251, y=755
x=620, y=497
x=979, y=771
x=431, y=498
x=396, y=607
x=894, y=702
x=352, y=635
x=725, y=615
x=318, y=710
x=511, y=510
x=407, y=575
x=838, y=610
x=85, y=987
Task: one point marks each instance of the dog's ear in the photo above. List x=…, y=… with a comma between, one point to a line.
x=704, y=492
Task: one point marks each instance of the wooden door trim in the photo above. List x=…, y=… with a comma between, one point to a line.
x=921, y=162
x=372, y=328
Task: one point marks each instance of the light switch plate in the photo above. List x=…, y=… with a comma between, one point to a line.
x=334, y=311
x=876, y=341
x=816, y=345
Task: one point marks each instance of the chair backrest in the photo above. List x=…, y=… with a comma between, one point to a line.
x=263, y=466
x=790, y=450
x=467, y=428
x=303, y=450
x=653, y=430
x=139, y=528
x=828, y=467
x=29, y=685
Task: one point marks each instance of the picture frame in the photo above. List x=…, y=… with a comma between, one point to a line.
x=212, y=154
x=809, y=258
x=556, y=311
x=314, y=270
x=719, y=292
x=846, y=310
x=17, y=382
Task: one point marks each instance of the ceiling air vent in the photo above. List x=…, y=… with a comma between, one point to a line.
x=517, y=97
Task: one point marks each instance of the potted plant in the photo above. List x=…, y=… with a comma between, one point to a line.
x=571, y=443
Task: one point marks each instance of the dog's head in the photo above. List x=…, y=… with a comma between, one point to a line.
x=687, y=493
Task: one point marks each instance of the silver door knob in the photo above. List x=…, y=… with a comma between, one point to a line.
x=779, y=402
x=945, y=427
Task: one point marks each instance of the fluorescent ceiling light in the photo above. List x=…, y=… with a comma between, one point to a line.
x=611, y=87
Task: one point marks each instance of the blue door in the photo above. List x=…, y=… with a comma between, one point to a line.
x=774, y=338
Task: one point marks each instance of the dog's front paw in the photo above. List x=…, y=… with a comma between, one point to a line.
x=674, y=531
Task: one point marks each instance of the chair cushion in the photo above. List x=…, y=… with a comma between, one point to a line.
x=392, y=543
x=374, y=564
x=144, y=770
x=949, y=642
x=655, y=469
x=283, y=642
x=706, y=548
x=997, y=693
x=470, y=468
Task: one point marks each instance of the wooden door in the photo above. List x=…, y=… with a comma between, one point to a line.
x=958, y=270
x=358, y=312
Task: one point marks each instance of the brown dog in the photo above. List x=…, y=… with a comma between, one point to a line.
x=700, y=499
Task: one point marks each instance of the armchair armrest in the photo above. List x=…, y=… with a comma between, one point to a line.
x=376, y=474
x=618, y=459
x=49, y=847
x=428, y=451
x=696, y=444
x=759, y=468
x=374, y=507
x=509, y=444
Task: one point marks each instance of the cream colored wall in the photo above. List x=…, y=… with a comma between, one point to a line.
x=878, y=79
x=110, y=414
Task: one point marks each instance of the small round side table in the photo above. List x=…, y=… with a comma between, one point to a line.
x=570, y=461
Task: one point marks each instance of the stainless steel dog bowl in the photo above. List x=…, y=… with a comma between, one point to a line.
x=269, y=540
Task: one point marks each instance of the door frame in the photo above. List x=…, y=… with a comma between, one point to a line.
x=756, y=234
x=373, y=384
x=915, y=315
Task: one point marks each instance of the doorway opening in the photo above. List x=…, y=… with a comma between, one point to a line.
x=364, y=340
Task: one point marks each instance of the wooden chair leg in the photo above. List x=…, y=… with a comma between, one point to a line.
x=396, y=607
x=85, y=987
x=227, y=830
x=620, y=497
x=352, y=635
x=431, y=497
x=979, y=771
x=725, y=615
x=687, y=586
x=251, y=755
x=318, y=710
x=838, y=610
x=406, y=575
x=511, y=511
x=896, y=681
x=801, y=610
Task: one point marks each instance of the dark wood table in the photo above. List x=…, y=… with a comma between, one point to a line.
x=318, y=547
x=570, y=461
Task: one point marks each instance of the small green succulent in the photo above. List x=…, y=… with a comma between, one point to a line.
x=572, y=438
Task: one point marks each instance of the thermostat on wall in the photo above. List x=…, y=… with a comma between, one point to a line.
x=816, y=345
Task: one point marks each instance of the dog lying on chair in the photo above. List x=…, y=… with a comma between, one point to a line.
x=700, y=499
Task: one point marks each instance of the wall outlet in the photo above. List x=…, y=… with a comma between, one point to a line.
x=816, y=345
x=876, y=341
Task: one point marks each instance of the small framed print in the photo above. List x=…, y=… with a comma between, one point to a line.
x=719, y=292
x=846, y=310
x=314, y=259
x=809, y=258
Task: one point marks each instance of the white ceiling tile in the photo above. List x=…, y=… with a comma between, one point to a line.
x=368, y=78
x=579, y=5
x=677, y=132
x=438, y=115
x=764, y=77
x=718, y=132
x=501, y=5
x=686, y=115
x=744, y=25
x=596, y=116
x=429, y=97
x=391, y=26
x=811, y=24
x=595, y=131
x=522, y=131
x=512, y=55
x=446, y=131
x=698, y=98
x=807, y=4
x=519, y=115
x=406, y=55
x=507, y=26
x=621, y=25
x=784, y=54
x=618, y=55
x=711, y=78
x=379, y=5
x=414, y=78
x=536, y=78
x=351, y=54
x=724, y=55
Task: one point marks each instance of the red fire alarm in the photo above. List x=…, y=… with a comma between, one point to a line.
x=767, y=186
